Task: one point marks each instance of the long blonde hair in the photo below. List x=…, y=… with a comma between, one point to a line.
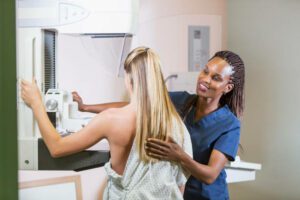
x=156, y=114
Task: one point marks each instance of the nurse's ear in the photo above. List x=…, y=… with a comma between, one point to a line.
x=228, y=88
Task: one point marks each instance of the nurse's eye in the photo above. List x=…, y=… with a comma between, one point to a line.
x=205, y=71
x=217, y=78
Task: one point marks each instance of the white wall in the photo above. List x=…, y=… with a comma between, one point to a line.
x=90, y=66
x=266, y=34
x=164, y=27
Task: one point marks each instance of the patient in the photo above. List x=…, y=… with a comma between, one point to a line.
x=150, y=113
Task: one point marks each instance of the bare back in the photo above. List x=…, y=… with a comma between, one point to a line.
x=120, y=136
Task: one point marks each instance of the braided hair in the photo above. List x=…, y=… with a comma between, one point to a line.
x=235, y=98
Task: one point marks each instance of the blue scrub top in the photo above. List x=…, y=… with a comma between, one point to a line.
x=218, y=130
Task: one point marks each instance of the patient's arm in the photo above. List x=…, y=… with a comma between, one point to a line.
x=96, y=108
x=102, y=188
x=181, y=188
x=97, y=129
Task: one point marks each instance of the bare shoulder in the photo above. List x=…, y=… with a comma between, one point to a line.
x=120, y=122
x=104, y=119
x=112, y=113
x=122, y=113
x=114, y=117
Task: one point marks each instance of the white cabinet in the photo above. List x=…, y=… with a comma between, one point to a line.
x=239, y=171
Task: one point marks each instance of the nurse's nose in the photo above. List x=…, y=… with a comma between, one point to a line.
x=206, y=79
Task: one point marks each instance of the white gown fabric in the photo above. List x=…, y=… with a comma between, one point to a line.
x=154, y=180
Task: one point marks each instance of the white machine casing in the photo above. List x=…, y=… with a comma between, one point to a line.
x=68, y=118
x=79, y=17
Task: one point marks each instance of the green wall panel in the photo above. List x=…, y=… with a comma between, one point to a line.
x=8, y=117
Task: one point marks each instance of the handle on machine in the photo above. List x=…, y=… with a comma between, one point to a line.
x=33, y=76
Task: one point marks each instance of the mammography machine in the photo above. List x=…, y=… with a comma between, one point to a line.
x=56, y=39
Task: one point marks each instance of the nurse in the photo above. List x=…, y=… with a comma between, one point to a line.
x=212, y=118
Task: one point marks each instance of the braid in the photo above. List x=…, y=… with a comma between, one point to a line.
x=235, y=98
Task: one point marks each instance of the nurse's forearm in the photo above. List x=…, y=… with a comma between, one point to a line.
x=205, y=173
x=97, y=108
x=48, y=132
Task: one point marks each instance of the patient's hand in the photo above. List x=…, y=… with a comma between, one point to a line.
x=77, y=98
x=30, y=93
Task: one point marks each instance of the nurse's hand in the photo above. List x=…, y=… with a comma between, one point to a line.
x=162, y=150
x=30, y=93
x=77, y=98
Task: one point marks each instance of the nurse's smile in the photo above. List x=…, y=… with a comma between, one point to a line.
x=202, y=87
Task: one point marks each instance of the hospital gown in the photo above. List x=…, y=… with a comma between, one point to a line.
x=152, y=180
